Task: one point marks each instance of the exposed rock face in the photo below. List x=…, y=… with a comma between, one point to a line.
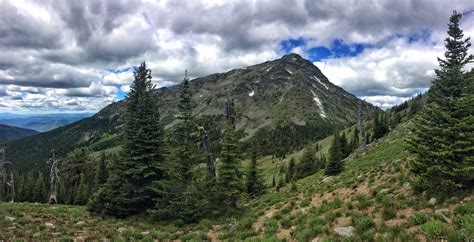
x=345, y=231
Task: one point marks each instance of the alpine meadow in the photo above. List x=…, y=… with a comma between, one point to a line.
x=286, y=120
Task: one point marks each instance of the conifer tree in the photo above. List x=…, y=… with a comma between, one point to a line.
x=39, y=190
x=355, y=139
x=345, y=147
x=27, y=188
x=81, y=196
x=291, y=171
x=442, y=135
x=131, y=185
x=255, y=185
x=229, y=181
x=307, y=165
x=178, y=194
x=380, y=127
x=334, y=165
x=101, y=172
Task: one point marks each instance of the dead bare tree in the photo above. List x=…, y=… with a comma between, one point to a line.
x=3, y=174
x=360, y=126
x=11, y=184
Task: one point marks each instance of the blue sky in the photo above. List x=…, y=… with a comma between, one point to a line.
x=64, y=62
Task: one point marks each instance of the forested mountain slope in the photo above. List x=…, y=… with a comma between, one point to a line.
x=288, y=101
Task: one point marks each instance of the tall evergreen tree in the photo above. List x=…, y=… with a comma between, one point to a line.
x=229, y=180
x=101, y=172
x=131, y=185
x=81, y=195
x=442, y=135
x=291, y=171
x=307, y=165
x=255, y=185
x=178, y=194
x=380, y=126
x=335, y=165
x=39, y=190
x=79, y=161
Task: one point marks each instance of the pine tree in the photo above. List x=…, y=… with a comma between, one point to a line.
x=131, y=185
x=355, y=139
x=380, y=127
x=291, y=171
x=101, y=172
x=442, y=135
x=179, y=198
x=307, y=165
x=334, y=165
x=228, y=183
x=79, y=161
x=345, y=147
x=27, y=188
x=81, y=196
x=39, y=191
x=255, y=185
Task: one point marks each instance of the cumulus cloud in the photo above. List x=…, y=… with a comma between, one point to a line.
x=55, y=53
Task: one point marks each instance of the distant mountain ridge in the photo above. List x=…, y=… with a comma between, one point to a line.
x=8, y=133
x=41, y=122
x=287, y=101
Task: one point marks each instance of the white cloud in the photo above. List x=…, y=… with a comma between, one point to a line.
x=63, y=49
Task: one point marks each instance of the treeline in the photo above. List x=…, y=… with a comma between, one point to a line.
x=286, y=138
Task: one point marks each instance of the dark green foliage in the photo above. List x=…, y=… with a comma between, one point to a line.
x=291, y=170
x=130, y=188
x=81, y=196
x=287, y=137
x=101, y=172
x=79, y=162
x=335, y=165
x=346, y=149
x=380, y=126
x=308, y=163
x=39, y=191
x=183, y=194
x=255, y=185
x=442, y=137
x=229, y=180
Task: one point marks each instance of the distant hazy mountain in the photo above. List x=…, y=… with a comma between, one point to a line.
x=41, y=122
x=8, y=133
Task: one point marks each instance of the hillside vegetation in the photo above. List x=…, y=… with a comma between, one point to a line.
x=373, y=199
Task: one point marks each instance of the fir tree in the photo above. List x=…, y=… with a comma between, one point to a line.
x=291, y=171
x=334, y=165
x=179, y=197
x=442, y=135
x=131, y=185
x=307, y=165
x=355, y=139
x=101, y=172
x=380, y=127
x=255, y=185
x=81, y=196
x=39, y=190
x=228, y=183
x=345, y=147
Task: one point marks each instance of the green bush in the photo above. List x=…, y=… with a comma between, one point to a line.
x=389, y=213
x=205, y=224
x=465, y=209
x=363, y=223
x=419, y=218
x=271, y=227
x=433, y=229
